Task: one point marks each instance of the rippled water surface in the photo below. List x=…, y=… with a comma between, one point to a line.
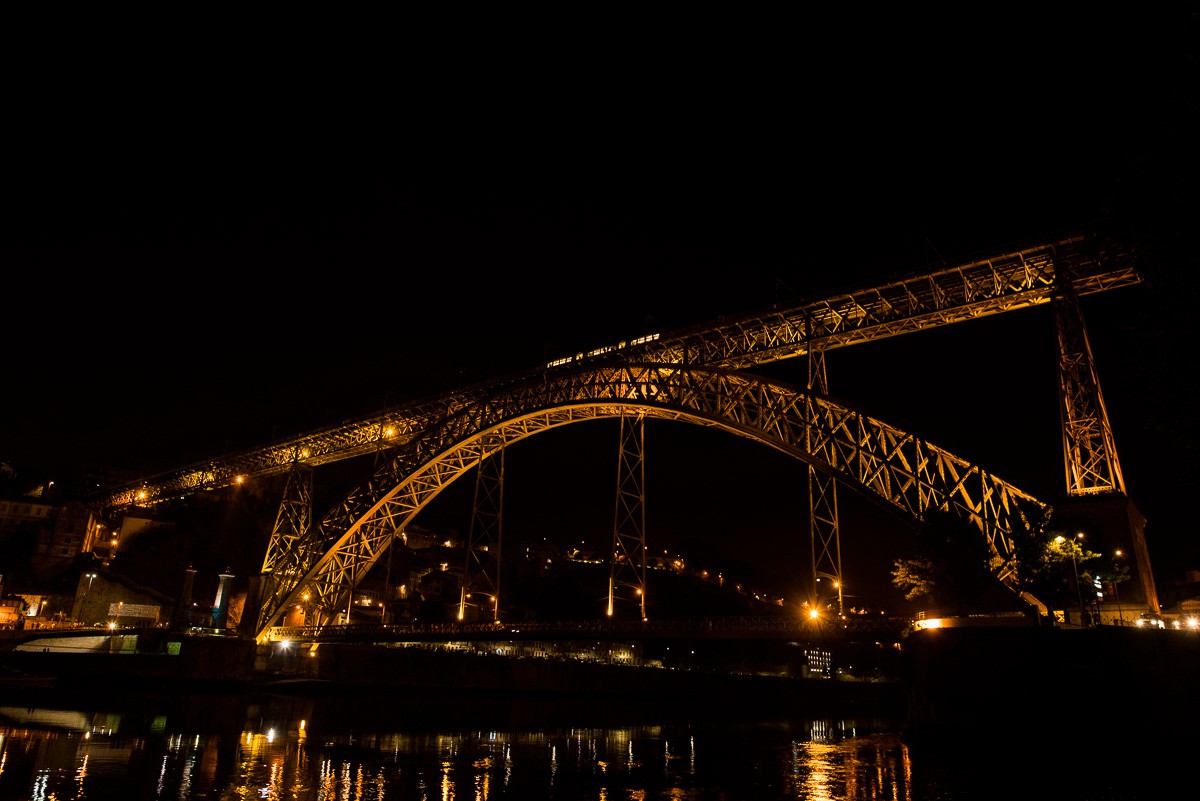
x=398, y=747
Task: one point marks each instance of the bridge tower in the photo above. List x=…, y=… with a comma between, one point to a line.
x=481, y=576
x=627, y=572
x=1095, y=486
x=822, y=498
x=293, y=521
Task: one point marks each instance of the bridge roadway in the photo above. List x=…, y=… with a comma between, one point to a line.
x=1002, y=283
x=850, y=627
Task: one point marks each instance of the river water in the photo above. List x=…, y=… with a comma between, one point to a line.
x=120, y=746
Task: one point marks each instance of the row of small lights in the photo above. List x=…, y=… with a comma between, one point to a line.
x=304, y=453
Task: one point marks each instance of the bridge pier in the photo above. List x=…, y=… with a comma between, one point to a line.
x=1112, y=523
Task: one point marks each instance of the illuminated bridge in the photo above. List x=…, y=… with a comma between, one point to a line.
x=702, y=376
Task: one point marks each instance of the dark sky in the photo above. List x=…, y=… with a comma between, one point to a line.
x=209, y=248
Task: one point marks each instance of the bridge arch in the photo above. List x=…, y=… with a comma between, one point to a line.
x=892, y=468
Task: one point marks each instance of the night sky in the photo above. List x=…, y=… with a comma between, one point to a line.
x=210, y=249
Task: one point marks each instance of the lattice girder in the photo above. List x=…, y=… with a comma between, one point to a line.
x=887, y=465
x=1007, y=282
x=294, y=517
x=627, y=562
x=1004, y=283
x=1089, y=449
x=480, y=589
x=823, y=525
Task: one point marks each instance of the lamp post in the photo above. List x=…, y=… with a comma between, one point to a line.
x=1075, y=568
x=1116, y=592
x=86, y=591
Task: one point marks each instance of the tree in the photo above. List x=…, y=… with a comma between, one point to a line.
x=1110, y=574
x=914, y=576
x=953, y=567
x=1046, y=560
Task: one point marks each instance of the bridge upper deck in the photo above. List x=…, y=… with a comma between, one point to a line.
x=1005, y=282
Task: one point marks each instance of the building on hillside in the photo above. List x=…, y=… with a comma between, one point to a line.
x=104, y=598
x=12, y=612
x=76, y=530
x=26, y=512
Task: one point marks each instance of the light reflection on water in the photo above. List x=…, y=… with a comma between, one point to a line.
x=398, y=749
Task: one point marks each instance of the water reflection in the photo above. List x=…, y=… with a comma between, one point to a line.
x=355, y=748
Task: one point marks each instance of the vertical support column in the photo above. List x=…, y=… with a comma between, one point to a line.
x=1092, y=468
x=293, y=522
x=183, y=607
x=822, y=499
x=480, y=592
x=1089, y=451
x=627, y=568
x=294, y=517
x=221, y=604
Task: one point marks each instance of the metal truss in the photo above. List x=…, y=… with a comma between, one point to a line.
x=1089, y=447
x=1003, y=283
x=627, y=559
x=891, y=467
x=1089, y=450
x=1006, y=282
x=427, y=444
x=822, y=501
x=481, y=577
x=294, y=518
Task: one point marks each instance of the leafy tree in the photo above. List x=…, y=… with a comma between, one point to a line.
x=914, y=576
x=1043, y=553
x=953, y=567
x=1035, y=567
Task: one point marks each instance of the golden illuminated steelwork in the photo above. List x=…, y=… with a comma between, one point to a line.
x=687, y=375
x=480, y=592
x=294, y=517
x=1089, y=448
x=627, y=557
x=1003, y=283
x=1090, y=453
x=823, y=527
x=893, y=467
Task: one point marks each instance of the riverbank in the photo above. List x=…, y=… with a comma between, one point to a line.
x=1020, y=680
x=405, y=670
x=198, y=662
x=1051, y=682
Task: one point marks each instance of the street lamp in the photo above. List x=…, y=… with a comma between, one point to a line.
x=1075, y=568
x=1116, y=592
x=83, y=601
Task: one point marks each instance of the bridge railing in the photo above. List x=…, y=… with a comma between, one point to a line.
x=730, y=627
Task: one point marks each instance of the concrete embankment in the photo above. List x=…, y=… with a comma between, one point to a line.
x=144, y=659
x=159, y=660
x=339, y=667
x=1006, y=681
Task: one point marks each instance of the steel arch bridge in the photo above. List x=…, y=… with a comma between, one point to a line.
x=892, y=466
x=698, y=376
